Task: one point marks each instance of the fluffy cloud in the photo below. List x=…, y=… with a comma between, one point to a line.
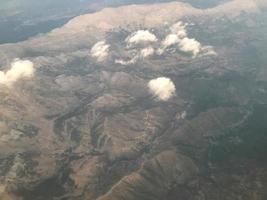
x=163, y=88
x=179, y=37
x=171, y=39
x=19, y=69
x=146, y=52
x=190, y=45
x=141, y=36
x=126, y=62
x=141, y=54
x=179, y=29
x=100, y=51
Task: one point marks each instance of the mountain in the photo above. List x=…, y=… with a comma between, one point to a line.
x=22, y=19
x=151, y=101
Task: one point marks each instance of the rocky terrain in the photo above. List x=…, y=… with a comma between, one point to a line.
x=141, y=102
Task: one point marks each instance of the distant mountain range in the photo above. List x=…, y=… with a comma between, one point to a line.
x=21, y=19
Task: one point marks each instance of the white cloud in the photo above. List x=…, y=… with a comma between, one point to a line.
x=19, y=69
x=146, y=52
x=100, y=51
x=170, y=40
x=179, y=37
x=184, y=114
x=143, y=53
x=141, y=36
x=179, y=29
x=163, y=88
x=126, y=62
x=182, y=33
x=190, y=45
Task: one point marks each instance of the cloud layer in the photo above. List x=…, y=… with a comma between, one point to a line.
x=162, y=88
x=100, y=51
x=19, y=69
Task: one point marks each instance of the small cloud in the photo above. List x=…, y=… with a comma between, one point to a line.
x=184, y=115
x=146, y=52
x=141, y=36
x=185, y=44
x=179, y=37
x=126, y=62
x=170, y=40
x=179, y=29
x=190, y=45
x=163, y=88
x=100, y=51
x=19, y=69
x=143, y=53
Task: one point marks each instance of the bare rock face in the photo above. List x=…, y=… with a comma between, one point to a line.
x=81, y=128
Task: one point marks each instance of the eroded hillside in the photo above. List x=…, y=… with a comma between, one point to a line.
x=161, y=101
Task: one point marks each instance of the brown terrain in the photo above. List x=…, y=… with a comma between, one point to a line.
x=87, y=130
